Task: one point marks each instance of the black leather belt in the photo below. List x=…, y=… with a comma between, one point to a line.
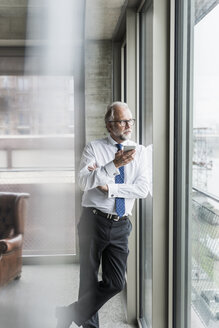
x=109, y=216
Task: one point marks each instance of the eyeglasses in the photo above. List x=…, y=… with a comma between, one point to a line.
x=124, y=122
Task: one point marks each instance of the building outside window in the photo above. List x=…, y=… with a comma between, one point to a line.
x=205, y=194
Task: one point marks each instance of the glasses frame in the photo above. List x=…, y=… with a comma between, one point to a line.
x=125, y=122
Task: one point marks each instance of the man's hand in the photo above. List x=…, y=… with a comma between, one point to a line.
x=92, y=168
x=122, y=158
x=103, y=188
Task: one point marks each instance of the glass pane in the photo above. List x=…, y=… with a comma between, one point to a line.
x=205, y=197
x=37, y=156
x=146, y=21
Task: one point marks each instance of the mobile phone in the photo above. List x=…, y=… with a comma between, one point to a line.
x=128, y=148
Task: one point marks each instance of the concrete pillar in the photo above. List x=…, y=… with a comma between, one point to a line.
x=98, y=86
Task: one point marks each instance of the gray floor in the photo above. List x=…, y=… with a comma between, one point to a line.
x=30, y=302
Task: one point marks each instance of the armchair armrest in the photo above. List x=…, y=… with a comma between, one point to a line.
x=10, y=244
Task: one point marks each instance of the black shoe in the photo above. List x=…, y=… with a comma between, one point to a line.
x=64, y=317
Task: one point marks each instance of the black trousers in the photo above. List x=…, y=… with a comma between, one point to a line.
x=106, y=241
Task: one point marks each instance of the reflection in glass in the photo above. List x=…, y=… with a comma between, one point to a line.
x=40, y=162
x=42, y=107
x=34, y=112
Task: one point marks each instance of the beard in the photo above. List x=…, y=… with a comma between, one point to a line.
x=125, y=135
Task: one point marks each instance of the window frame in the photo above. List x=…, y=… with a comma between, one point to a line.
x=143, y=204
x=160, y=103
x=181, y=177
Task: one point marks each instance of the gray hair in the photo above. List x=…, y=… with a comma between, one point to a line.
x=109, y=116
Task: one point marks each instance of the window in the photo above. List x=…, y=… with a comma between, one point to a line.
x=36, y=105
x=196, y=194
x=37, y=156
x=205, y=196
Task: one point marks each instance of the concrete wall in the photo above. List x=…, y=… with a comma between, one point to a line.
x=13, y=19
x=98, y=86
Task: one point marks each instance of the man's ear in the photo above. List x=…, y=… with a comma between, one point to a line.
x=108, y=126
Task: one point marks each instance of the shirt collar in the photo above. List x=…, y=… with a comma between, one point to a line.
x=113, y=142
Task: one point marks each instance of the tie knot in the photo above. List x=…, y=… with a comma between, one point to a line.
x=119, y=146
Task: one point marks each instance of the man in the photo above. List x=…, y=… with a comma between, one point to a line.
x=111, y=180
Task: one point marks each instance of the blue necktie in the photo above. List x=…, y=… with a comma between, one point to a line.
x=120, y=202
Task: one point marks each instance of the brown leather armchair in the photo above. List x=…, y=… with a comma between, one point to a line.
x=12, y=219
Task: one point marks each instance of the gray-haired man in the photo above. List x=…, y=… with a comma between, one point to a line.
x=111, y=179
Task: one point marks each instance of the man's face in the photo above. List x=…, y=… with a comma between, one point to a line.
x=117, y=131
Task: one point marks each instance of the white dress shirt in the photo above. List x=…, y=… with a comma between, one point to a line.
x=138, y=175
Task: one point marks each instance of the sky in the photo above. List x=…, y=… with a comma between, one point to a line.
x=206, y=71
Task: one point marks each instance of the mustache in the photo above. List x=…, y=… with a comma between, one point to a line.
x=128, y=130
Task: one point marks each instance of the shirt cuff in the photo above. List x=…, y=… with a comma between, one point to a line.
x=113, y=190
x=111, y=170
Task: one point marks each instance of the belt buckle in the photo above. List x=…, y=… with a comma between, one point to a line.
x=109, y=216
x=116, y=219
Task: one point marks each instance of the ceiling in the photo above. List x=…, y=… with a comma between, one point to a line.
x=101, y=17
